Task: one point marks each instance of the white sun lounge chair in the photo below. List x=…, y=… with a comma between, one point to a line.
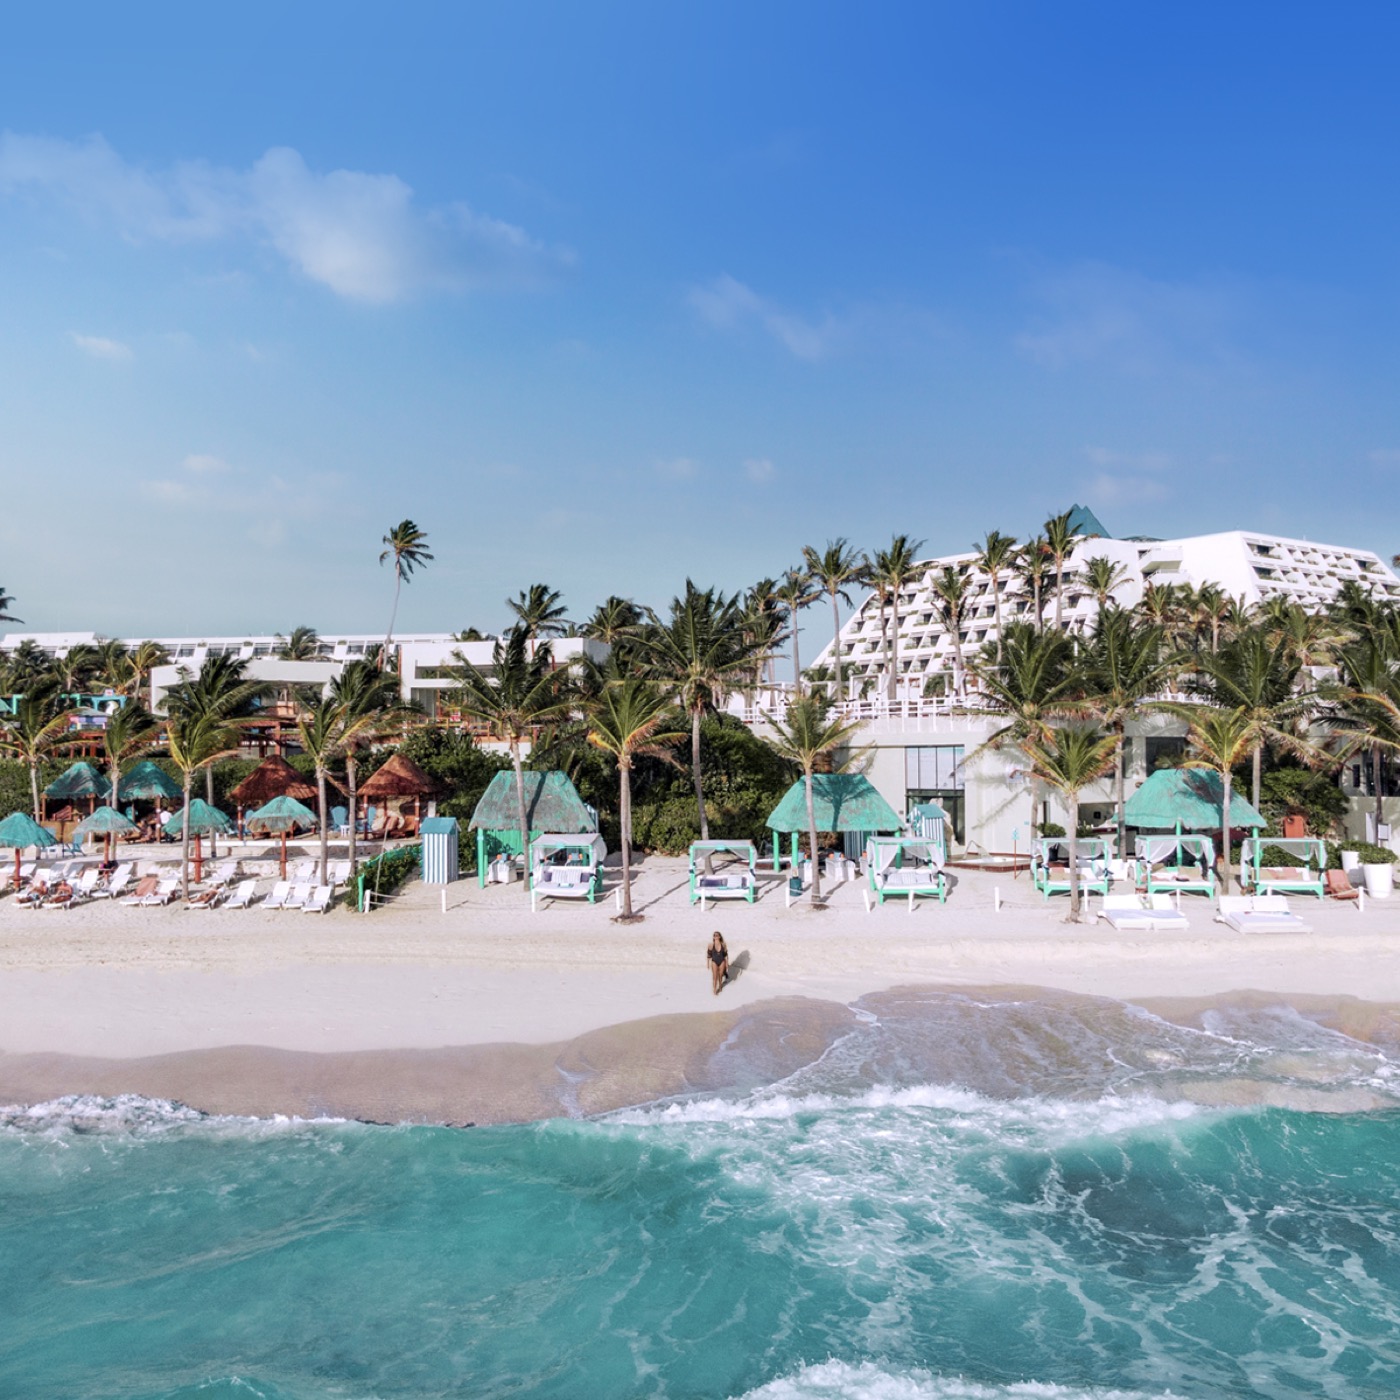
x=1125, y=911
x=167, y=890
x=320, y=900
x=304, y=871
x=145, y=886
x=298, y=897
x=242, y=896
x=278, y=898
x=1166, y=913
x=1259, y=913
x=121, y=878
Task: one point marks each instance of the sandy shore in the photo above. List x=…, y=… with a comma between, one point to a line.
x=486, y=1011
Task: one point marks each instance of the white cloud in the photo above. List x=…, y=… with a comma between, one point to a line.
x=728, y=304
x=1126, y=477
x=202, y=463
x=100, y=348
x=678, y=468
x=362, y=235
x=1097, y=312
x=759, y=470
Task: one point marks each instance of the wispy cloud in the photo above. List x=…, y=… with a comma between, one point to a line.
x=727, y=304
x=678, y=468
x=360, y=234
x=100, y=348
x=202, y=464
x=1095, y=312
x=1128, y=477
x=759, y=470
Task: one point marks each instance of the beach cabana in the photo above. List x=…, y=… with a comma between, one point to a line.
x=440, y=850
x=1050, y=867
x=844, y=802
x=147, y=782
x=1186, y=799
x=929, y=821
x=1308, y=876
x=273, y=777
x=278, y=817
x=552, y=804
x=106, y=822
x=204, y=820
x=906, y=867
x=18, y=832
x=402, y=778
x=566, y=865
x=740, y=883
x=1182, y=864
x=80, y=783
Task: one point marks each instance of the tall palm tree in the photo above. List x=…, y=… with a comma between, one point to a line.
x=368, y=707
x=130, y=731
x=1104, y=577
x=111, y=663
x=995, y=556
x=6, y=603
x=302, y=644
x=614, y=621
x=630, y=715
x=701, y=652
x=1059, y=544
x=407, y=546
x=138, y=663
x=514, y=700
x=1219, y=739
x=762, y=625
x=1121, y=665
x=35, y=731
x=1368, y=704
x=795, y=591
x=806, y=737
x=319, y=733
x=950, y=590
x=197, y=739
x=893, y=570
x=77, y=667
x=835, y=570
x=538, y=611
x=1068, y=759
x=1033, y=564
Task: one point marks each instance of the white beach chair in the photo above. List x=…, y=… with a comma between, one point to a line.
x=1125, y=911
x=1259, y=913
x=242, y=897
x=145, y=886
x=304, y=871
x=166, y=891
x=320, y=900
x=298, y=897
x=1166, y=912
x=338, y=872
x=278, y=898
x=121, y=877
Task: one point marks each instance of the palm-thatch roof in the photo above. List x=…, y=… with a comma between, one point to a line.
x=400, y=777
x=281, y=814
x=81, y=780
x=105, y=821
x=204, y=820
x=19, y=830
x=273, y=777
x=552, y=803
x=146, y=782
x=1186, y=799
x=843, y=802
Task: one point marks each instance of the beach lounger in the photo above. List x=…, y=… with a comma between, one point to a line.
x=298, y=897
x=147, y=885
x=304, y=871
x=278, y=898
x=116, y=884
x=1165, y=913
x=320, y=900
x=1125, y=911
x=1259, y=913
x=1339, y=886
x=64, y=896
x=338, y=872
x=208, y=899
x=242, y=897
x=165, y=891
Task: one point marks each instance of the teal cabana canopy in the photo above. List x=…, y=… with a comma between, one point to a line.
x=282, y=814
x=1186, y=799
x=204, y=820
x=81, y=780
x=105, y=821
x=552, y=804
x=146, y=783
x=843, y=802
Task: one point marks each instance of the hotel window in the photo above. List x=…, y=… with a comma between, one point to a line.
x=935, y=774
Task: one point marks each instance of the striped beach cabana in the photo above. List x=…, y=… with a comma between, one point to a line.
x=552, y=804
x=844, y=802
x=439, y=850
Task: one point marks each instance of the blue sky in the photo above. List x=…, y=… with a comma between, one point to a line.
x=605, y=295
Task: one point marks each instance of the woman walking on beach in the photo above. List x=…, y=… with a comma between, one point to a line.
x=717, y=955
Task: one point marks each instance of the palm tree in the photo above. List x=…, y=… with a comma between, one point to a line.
x=34, y=732
x=893, y=570
x=614, y=621
x=1034, y=684
x=701, y=652
x=1219, y=739
x=407, y=546
x=1034, y=564
x=304, y=644
x=950, y=588
x=994, y=557
x=197, y=739
x=318, y=732
x=1104, y=577
x=762, y=625
x=111, y=663
x=627, y=716
x=77, y=667
x=1123, y=663
x=835, y=570
x=538, y=611
x=129, y=731
x=6, y=603
x=513, y=701
x=1059, y=543
x=1068, y=759
x=1368, y=699
x=795, y=592
x=138, y=662
x=806, y=737
x=368, y=706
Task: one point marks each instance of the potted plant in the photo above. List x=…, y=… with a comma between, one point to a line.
x=1377, y=869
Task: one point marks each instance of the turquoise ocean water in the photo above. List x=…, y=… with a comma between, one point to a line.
x=961, y=1199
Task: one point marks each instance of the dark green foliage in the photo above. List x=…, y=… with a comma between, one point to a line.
x=14, y=783
x=1051, y=829
x=1290, y=790
x=459, y=765
x=385, y=873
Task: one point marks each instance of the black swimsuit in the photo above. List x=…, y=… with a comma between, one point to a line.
x=717, y=956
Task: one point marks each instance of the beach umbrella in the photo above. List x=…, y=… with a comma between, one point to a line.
x=204, y=820
x=79, y=781
x=147, y=782
x=282, y=814
x=18, y=832
x=105, y=821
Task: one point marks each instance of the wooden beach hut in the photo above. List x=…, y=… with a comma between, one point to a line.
x=273, y=777
x=400, y=778
x=552, y=805
x=80, y=783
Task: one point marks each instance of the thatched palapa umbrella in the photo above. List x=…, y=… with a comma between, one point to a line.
x=401, y=777
x=147, y=782
x=18, y=832
x=282, y=814
x=204, y=820
x=273, y=777
x=105, y=821
x=79, y=781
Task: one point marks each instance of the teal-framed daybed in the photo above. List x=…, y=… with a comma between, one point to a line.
x=1308, y=878
x=1181, y=864
x=905, y=867
x=741, y=883
x=1051, y=876
x=567, y=865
